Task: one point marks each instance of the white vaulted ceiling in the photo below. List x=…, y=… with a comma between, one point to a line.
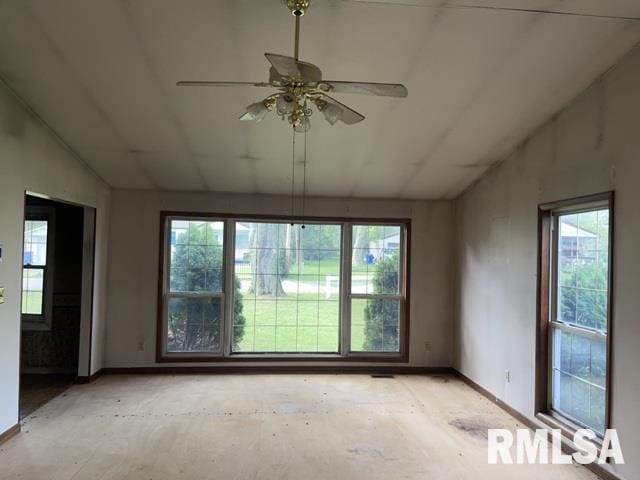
x=102, y=74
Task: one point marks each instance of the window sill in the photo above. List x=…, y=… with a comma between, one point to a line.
x=567, y=428
x=293, y=357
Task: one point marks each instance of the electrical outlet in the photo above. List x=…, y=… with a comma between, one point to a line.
x=507, y=376
x=141, y=346
x=427, y=346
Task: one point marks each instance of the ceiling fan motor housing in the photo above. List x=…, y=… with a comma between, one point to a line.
x=298, y=7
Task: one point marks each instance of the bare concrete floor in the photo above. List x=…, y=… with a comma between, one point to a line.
x=266, y=427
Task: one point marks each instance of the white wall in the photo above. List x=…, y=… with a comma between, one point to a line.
x=592, y=146
x=133, y=272
x=31, y=159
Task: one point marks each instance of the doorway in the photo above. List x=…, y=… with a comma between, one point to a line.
x=57, y=291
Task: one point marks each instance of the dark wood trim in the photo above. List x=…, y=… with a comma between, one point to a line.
x=599, y=470
x=283, y=357
x=404, y=352
x=286, y=218
x=568, y=429
x=402, y=357
x=160, y=300
x=542, y=311
x=275, y=369
x=577, y=201
x=9, y=433
x=544, y=285
x=610, y=313
x=93, y=285
x=506, y=407
x=90, y=378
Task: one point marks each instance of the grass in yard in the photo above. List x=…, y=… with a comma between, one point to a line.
x=313, y=267
x=317, y=267
x=310, y=324
x=307, y=325
x=285, y=325
x=32, y=303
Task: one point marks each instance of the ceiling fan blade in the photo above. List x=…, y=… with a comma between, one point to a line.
x=349, y=116
x=285, y=66
x=190, y=83
x=380, y=89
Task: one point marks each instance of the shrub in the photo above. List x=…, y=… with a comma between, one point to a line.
x=381, y=316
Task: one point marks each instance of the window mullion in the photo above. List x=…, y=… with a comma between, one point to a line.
x=226, y=333
x=345, y=289
x=376, y=296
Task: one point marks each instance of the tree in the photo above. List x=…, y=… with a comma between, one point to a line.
x=381, y=316
x=363, y=235
x=264, y=241
x=320, y=242
x=587, y=306
x=197, y=266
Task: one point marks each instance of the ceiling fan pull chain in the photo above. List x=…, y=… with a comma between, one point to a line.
x=293, y=175
x=297, y=81
x=304, y=177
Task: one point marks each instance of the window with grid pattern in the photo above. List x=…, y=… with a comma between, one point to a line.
x=36, y=234
x=580, y=317
x=289, y=277
x=376, y=288
x=263, y=287
x=195, y=290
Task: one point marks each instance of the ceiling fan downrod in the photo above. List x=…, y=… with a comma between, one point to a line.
x=297, y=9
x=300, y=87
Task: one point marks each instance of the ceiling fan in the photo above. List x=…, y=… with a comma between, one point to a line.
x=301, y=85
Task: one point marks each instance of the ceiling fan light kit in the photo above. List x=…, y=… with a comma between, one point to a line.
x=300, y=86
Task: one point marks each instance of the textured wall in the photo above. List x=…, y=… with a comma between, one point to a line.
x=592, y=146
x=135, y=221
x=31, y=159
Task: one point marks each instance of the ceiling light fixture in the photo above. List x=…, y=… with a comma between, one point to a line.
x=301, y=86
x=257, y=111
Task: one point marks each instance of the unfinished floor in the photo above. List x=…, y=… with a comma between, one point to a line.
x=266, y=427
x=36, y=390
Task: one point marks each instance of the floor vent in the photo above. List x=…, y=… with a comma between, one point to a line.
x=381, y=375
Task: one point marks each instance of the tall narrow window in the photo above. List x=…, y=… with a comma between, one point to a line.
x=376, y=296
x=195, y=286
x=579, y=314
x=37, y=268
x=289, y=284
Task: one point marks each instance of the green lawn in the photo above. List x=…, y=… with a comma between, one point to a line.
x=306, y=325
x=32, y=303
x=310, y=324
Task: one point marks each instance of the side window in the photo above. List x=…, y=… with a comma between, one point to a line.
x=194, y=288
x=37, y=270
x=376, y=296
x=579, y=317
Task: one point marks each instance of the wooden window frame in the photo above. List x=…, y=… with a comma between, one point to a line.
x=226, y=355
x=43, y=321
x=544, y=304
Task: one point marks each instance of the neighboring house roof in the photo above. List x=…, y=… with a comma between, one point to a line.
x=568, y=230
x=216, y=226
x=392, y=234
